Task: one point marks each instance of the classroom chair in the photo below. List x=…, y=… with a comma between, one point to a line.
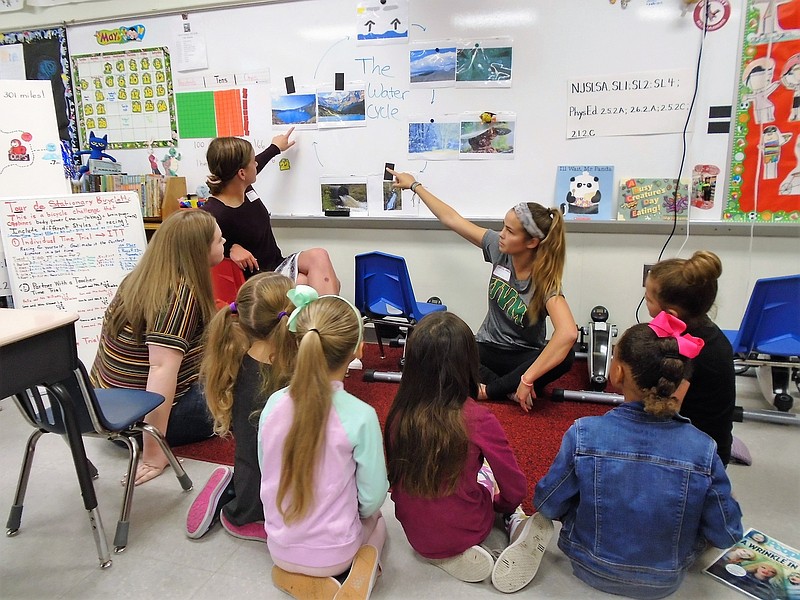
x=114, y=414
x=769, y=335
x=385, y=297
x=226, y=279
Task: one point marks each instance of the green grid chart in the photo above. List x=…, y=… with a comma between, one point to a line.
x=196, y=115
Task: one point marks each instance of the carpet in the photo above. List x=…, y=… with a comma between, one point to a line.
x=535, y=436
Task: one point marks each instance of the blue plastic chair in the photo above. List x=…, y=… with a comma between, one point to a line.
x=115, y=414
x=769, y=335
x=384, y=294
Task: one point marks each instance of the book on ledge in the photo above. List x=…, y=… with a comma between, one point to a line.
x=759, y=566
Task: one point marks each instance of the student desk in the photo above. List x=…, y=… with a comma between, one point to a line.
x=37, y=347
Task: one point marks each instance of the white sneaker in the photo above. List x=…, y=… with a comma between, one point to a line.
x=473, y=565
x=517, y=565
x=514, y=524
x=355, y=365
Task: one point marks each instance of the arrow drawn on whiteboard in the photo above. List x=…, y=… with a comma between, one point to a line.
x=344, y=39
x=422, y=170
x=418, y=25
x=317, y=154
x=433, y=95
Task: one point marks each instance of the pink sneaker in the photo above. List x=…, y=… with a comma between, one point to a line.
x=250, y=531
x=206, y=507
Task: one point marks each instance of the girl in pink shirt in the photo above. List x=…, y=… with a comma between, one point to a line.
x=323, y=474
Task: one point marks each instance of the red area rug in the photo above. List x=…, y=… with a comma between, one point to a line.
x=534, y=436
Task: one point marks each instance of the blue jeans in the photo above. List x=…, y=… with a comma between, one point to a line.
x=189, y=419
x=632, y=590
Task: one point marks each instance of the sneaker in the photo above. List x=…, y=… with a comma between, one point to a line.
x=205, y=509
x=517, y=565
x=473, y=565
x=514, y=523
x=355, y=365
x=303, y=587
x=361, y=578
x=251, y=531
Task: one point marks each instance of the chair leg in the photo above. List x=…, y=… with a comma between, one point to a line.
x=121, y=533
x=180, y=473
x=93, y=472
x=15, y=515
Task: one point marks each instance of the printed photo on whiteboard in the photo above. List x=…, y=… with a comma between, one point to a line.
x=759, y=566
x=652, y=199
x=297, y=110
x=484, y=64
x=392, y=197
x=434, y=139
x=433, y=65
x=487, y=141
x=341, y=108
x=344, y=194
x=586, y=192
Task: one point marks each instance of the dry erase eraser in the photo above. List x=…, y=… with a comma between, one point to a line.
x=339, y=82
x=289, y=85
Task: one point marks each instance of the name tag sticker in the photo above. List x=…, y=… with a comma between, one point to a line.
x=502, y=273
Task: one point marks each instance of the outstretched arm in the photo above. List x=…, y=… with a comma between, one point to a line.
x=441, y=210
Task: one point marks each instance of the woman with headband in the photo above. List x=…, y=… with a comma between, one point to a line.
x=527, y=259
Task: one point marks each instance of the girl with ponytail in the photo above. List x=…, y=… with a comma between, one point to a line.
x=527, y=258
x=323, y=474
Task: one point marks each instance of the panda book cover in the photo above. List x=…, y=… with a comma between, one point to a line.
x=652, y=199
x=585, y=192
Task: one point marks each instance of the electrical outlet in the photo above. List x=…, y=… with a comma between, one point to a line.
x=645, y=271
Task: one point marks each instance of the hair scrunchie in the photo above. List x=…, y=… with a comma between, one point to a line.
x=233, y=308
x=301, y=296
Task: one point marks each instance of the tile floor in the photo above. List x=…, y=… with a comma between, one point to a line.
x=53, y=556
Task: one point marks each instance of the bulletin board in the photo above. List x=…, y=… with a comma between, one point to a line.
x=604, y=85
x=765, y=145
x=127, y=96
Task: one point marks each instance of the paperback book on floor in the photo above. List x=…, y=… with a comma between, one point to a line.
x=759, y=566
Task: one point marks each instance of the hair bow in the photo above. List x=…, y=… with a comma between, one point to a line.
x=667, y=325
x=301, y=296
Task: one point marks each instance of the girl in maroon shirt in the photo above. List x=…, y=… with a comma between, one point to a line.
x=450, y=465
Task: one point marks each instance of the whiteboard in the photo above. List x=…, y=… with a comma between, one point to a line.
x=555, y=44
x=71, y=252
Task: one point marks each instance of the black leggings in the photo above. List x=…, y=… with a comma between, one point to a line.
x=501, y=369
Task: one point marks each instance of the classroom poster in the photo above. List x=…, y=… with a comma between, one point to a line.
x=45, y=57
x=652, y=199
x=585, y=193
x=765, y=155
x=30, y=149
x=71, y=252
x=126, y=95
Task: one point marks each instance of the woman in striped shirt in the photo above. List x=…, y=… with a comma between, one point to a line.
x=152, y=336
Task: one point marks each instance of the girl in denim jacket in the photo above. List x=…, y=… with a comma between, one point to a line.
x=639, y=490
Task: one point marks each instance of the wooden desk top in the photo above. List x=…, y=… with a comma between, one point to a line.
x=18, y=324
